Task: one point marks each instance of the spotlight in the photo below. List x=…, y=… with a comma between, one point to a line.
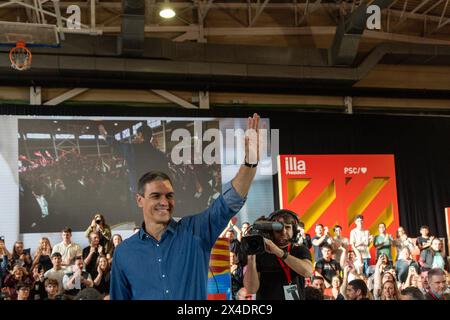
x=166, y=11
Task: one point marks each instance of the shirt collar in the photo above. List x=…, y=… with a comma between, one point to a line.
x=171, y=228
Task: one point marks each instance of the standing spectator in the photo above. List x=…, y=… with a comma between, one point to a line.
x=321, y=237
x=326, y=266
x=383, y=242
x=38, y=288
x=102, y=281
x=403, y=241
x=390, y=291
x=57, y=271
x=43, y=253
x=302, y=237
x=67, y=249
x=77, y=279
x=424, y=240
x=433, y=257
x=20, y=256
x=360, y=240
x=339, y=242
x=98, y=224
x=438, y=284
x=312, y=293
x=404, y=263
x=91, y=253
x=116, y=240
x=4, y=262
x=23, y=291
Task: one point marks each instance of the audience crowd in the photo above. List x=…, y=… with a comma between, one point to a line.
x=403, y=268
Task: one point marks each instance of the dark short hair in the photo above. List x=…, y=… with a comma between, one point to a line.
x=435, y=272
x=88, y=294
x=359, y=284
x=382, y=223
x=301, y=224
x=326, y=246
x=359, y=216
x=21, y=285
x=424, y=227
x=312, y=293
x=150, y=177
x=337, y=226
x=67, y=230
x=146, y=131
x=319, y=224
x=56, y=254
x=413, y=292
x=317, y=278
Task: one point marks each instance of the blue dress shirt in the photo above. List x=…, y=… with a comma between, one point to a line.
x=176, y=267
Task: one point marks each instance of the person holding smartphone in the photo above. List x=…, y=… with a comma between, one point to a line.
x=98, y=225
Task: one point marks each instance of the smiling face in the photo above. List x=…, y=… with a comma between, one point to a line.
x=389, y=290
x=157, y=202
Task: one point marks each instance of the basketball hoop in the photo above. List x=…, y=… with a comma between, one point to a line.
x=20, y=57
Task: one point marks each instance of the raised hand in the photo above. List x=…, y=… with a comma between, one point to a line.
x=252, y=140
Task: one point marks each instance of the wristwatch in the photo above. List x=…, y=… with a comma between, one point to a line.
x=285, y=255
x=250, y=165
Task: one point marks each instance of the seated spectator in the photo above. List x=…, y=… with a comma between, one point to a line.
x=389, y=291
x=20, y=256
x=76, y=279
x=403, y=241
x=23, y=291
x=403, y=265
x=424, y=240
x=102, y=281
x=52, y=289
x=433, y=257
x=116, y=240
x=411, y=293
x=438, y=284
x=38, y=288
x=383, y=242
x=43, y=253
x=356, y=290
x=91, y=254
x=339, y=243
x=302, y=237
x=312, y=293
x=18, y=274
x=67, y=249
x=57, y=271
x=326, y=266
x=380, y=276
x=98, y=225
x=334, y=293
x=354, y=260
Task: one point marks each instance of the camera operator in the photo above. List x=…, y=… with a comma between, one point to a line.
x=279, y=273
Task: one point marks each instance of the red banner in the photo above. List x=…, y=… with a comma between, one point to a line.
x=334, y=189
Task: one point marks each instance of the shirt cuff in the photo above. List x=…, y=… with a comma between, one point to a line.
x=233, y=200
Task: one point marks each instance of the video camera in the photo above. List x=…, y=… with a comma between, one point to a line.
x=254, y=242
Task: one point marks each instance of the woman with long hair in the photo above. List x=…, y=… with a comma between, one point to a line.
x=20, y=256
x=101, y=282
x=390, y=291
x=43, y=253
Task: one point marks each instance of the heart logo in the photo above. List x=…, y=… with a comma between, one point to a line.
x=364, y=170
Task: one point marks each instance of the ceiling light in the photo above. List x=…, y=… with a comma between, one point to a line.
x=166, y=11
